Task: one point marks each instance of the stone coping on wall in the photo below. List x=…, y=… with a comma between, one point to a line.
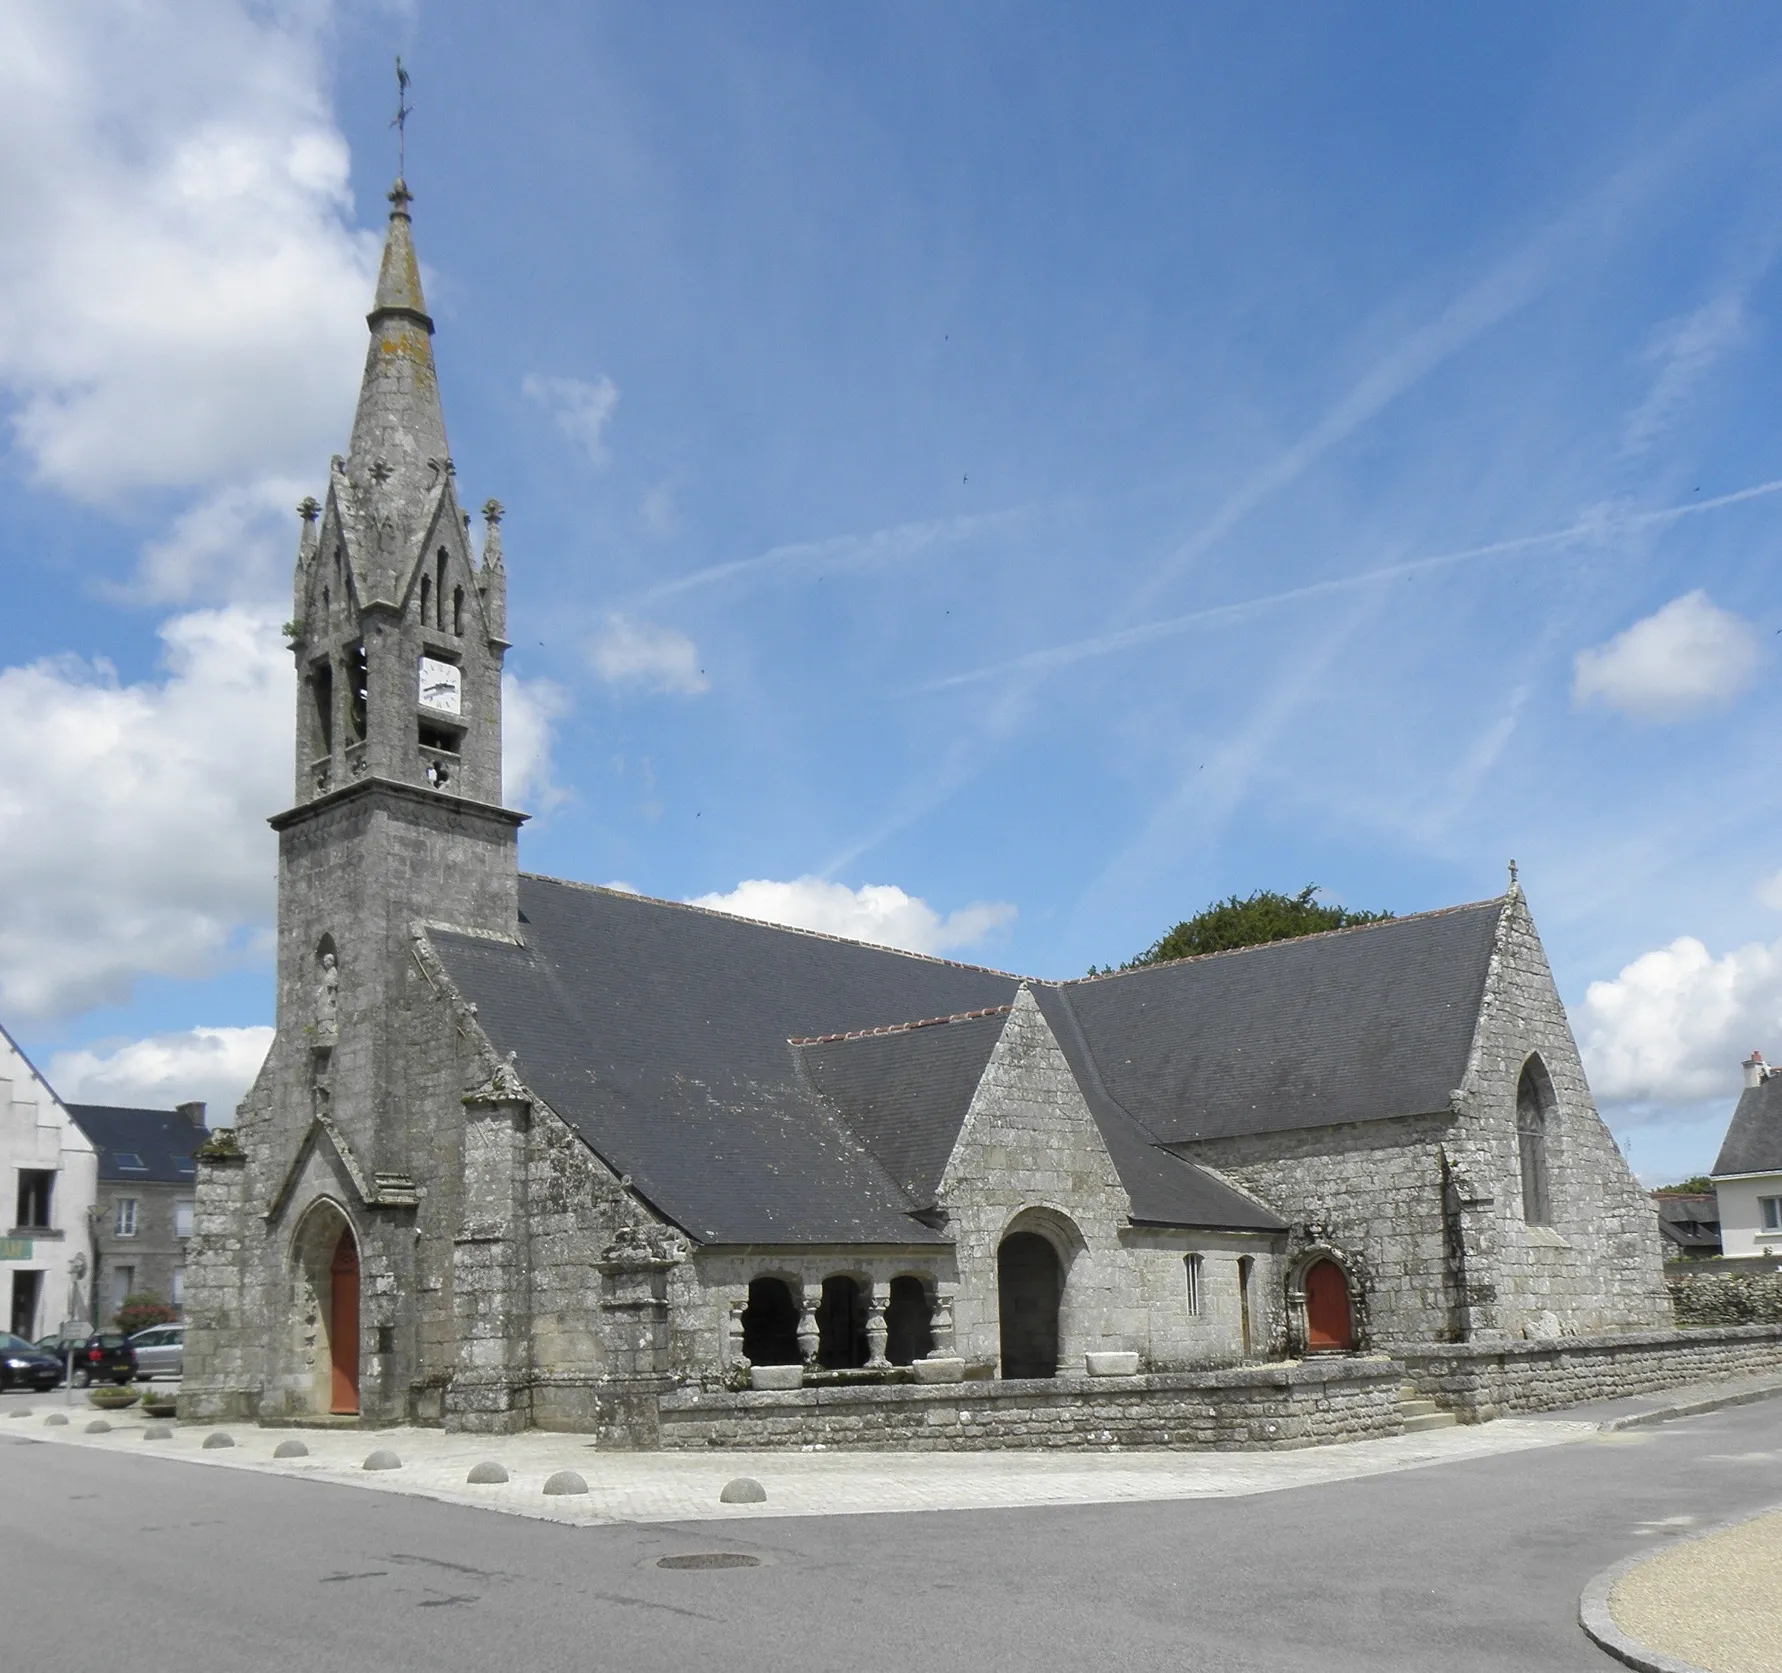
x=1285, y=1404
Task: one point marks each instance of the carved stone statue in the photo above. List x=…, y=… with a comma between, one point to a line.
x=328, y=995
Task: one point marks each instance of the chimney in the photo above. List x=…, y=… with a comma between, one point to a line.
x=1756, y=1070
x=194, y=1112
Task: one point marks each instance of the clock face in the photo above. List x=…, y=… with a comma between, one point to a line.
x=441, y=686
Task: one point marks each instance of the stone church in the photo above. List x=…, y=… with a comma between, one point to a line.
x=531, y=1152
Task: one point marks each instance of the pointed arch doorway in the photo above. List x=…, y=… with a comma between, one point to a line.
x=343, y=1327
x=1330, y=1321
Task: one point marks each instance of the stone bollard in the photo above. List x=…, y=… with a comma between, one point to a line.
x=565, y=1481
x=743, y=1491
x=290, y=1449
x=157, y=1432
x=218, y=1438
x=486, y=1474
x=382, y=1459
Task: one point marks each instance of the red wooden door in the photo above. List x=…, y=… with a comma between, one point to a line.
x=343, y=1330
x=1329, y=1327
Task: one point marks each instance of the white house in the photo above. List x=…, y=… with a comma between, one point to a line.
x=1748, y=1172
x=49, y=1171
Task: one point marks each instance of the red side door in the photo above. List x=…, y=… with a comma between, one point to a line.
x=343, y=1334
x=1329, y=1326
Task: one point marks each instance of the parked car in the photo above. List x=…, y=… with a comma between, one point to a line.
x=160, y=1351
x=105, y=1356
x=24, y=1366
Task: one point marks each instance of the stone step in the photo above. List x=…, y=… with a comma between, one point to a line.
x=1429, y=1420
x=1410, y=1406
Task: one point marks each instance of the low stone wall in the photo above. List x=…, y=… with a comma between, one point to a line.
x=1290, y=1405
x=1482, y=1380
x=1719, y=1296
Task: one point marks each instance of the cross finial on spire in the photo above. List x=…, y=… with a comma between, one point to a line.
x=1512, y=874
x=400, y=123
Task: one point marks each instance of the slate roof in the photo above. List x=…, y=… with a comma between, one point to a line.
x=661, y=1033
x=163, y=1141
x=1354, y=1025
x=905, y=1092
x=702, y=1054
x=1689, y=1220
x=1753, y=1142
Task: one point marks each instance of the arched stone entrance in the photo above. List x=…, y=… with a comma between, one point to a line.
x=1029, y=1288
x=770, y=1324
x=1330, y=1321
x=325, y=1256
x=841, y=1325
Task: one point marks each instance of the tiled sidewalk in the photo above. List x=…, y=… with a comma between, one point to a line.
x=674, y=1487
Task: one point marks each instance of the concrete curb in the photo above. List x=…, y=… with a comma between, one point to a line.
x=1593, y=1603
x=1693, y=1408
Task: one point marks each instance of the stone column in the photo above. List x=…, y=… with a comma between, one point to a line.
x=940, y=1321
x=733, y=1332
x=490, y=1390
x=875, y=1327
x=809, y=1337
x=634, y=1334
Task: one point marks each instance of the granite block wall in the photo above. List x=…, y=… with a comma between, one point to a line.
x=1482, y=1380
x=1255, y=1406
x=1717, y=1297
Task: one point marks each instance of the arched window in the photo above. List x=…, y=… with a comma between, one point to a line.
x=426, y=601
x=1534, y=1119
x=440, y=621
x=770, y=1324
x=457, y=610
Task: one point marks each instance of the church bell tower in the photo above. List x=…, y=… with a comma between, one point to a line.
x=398, y=634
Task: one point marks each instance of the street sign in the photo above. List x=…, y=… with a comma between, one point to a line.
x=15, y=1248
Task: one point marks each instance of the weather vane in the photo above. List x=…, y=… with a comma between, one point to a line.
x=400, y=120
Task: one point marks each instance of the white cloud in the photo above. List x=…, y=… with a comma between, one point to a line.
x=877, y=912
x=1684, y=352
x=216, y=1065
x=630, y=652
x=529, y=709
x=582, y=410
x=237, y=542
x=1675, y=1024
x=1690, y=655
x=133, y=835
x=181, y=296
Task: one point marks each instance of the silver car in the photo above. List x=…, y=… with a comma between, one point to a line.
x=160, y=1351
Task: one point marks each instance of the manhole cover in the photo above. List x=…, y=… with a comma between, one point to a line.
x=709, y=1559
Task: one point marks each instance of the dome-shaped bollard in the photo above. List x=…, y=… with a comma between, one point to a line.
x=745, y=1490
x=218, y=1438
x=382, y=1459
x=565, y=1481
x=486, y=1474
x=290, y=1449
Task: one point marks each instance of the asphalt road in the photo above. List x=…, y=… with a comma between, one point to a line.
x=120, y=1561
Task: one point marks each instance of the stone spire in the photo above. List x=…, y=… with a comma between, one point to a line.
x=399, y=450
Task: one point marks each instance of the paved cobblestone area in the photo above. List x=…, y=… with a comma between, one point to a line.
x=665, y=1487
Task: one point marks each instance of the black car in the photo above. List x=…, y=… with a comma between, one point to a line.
x=103, y=1357
x=23, y=1366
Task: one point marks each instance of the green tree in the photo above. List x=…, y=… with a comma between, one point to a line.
x=1697, y=1187
x=1250, y=922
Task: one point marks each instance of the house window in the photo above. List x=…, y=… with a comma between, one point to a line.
x=36, y=1189
x=178, y=1297
x=182, y=1219
x=1191, y=1265
x=1769, y=1213
x=129, y=1162
x=126, y=1224
x=1534, y=1111
x=123, y=1285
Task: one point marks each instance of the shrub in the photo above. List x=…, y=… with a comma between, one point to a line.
x=140, y=1311
x=113, y=1399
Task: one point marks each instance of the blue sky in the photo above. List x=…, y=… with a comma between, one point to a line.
x=1044, y=467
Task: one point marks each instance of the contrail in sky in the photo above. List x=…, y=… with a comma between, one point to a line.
x=1127, y=638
